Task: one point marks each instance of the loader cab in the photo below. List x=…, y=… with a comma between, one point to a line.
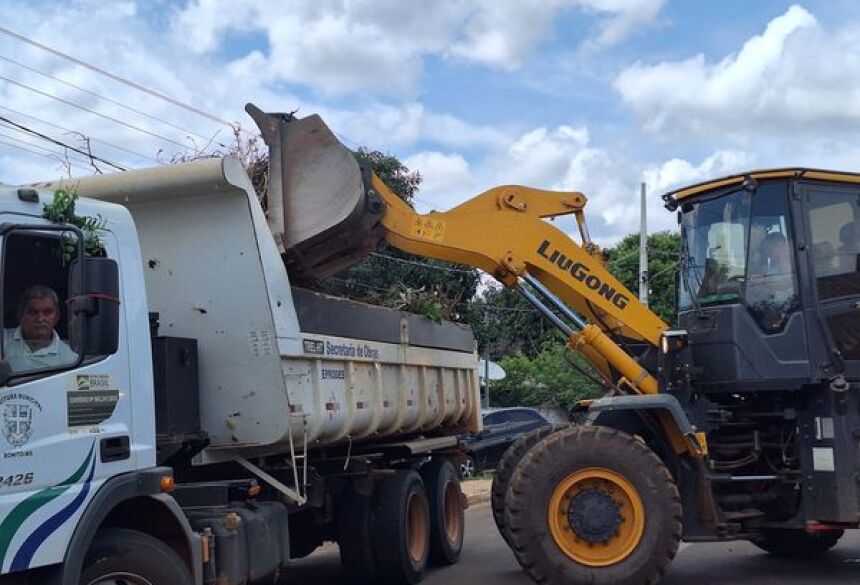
x=769, y=281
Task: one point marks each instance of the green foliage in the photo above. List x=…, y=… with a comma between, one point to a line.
x=62, y=211
x=505, y=324
x=543, y=380
x=392, y=172
x=392, y=278
x=663, y=249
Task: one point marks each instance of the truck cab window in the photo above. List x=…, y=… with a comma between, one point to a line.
x=36, y=328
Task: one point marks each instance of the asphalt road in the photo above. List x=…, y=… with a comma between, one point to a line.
x=486, y=560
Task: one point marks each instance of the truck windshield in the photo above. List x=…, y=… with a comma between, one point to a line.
x=714, y=258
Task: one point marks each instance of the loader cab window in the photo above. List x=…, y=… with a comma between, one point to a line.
x=714, y=258
x=770, y=287
x=834, y=225
x=38, y=334
x=738, y=249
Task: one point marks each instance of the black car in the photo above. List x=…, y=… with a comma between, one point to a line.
x=502, y=427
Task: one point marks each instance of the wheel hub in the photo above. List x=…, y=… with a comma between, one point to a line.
x=594, y=515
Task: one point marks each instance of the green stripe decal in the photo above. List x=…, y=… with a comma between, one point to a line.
x=10, y=525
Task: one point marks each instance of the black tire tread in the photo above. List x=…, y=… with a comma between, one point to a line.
x=389, y=519
x=141, y=552
x=434, y=474
x=505, y=471
x=354, y=542
x=796, y=543
x=601, y=443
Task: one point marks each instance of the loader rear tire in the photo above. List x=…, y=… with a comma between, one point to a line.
x=593, y=505
x=505, y=471
x=797, y=544
x=401, y=528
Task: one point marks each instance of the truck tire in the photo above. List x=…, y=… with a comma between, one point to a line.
x=469, y=468
x=447, y=518
x=119, y=555
x=505, y=470
x=577, y=506
x=354, y=539
x=401, y=528
x=797, y=544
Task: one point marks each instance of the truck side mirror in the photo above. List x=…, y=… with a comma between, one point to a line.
x=93, y=306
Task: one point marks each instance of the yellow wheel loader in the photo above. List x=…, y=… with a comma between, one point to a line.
x=741, y=423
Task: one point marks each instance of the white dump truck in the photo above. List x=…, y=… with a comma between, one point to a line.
x=192, y=417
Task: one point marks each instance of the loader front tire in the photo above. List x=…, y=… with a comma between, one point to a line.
x=593, y=505
x=505, y=471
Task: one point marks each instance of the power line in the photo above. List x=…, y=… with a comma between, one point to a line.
x=18, y=140
x=91, y=111
x=52, y=157
x=111, y=100
x=422, y=264
x=89, y=155
x=116, y=78
x=85, y=136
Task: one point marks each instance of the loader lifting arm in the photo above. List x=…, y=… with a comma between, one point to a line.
x=503, y=232
x=330, y=214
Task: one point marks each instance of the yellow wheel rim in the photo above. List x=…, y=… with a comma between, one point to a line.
x=596, y=517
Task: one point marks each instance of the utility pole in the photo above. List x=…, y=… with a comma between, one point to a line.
x=643, y=249
x=487, y=375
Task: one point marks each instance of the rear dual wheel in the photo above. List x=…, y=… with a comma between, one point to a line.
x=593, y=505
x=401, y=528
x=447, y=519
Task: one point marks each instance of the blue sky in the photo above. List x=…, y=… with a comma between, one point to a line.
x=590, y=95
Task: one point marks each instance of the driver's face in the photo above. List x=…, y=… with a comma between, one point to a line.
x=38, y=320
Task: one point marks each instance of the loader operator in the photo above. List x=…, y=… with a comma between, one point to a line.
x=34, y=344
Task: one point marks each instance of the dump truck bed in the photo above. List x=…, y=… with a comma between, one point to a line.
x=278, y=363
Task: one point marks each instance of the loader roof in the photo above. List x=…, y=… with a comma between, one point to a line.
x=673, y=198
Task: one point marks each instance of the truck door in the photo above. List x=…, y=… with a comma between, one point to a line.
x=833, y=217
x=64, y=415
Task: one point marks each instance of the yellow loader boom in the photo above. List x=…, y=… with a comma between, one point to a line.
x=335, y=213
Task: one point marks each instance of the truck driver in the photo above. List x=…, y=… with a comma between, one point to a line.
x=34, y=344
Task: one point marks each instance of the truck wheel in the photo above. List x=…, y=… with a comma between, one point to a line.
x=356, y=549
x=505, y=470
x=447, y=520
x=469, y=468
x=127, y=557
x=401, y=528
x=593, y=505
x=794, y=543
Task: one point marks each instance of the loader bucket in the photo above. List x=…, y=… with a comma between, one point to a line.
x=320, y=207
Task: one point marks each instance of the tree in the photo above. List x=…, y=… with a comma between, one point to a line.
x=546, y=379
x=663, y=250
x=393, y=278
x=506, y=324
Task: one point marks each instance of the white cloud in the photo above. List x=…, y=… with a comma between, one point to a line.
x=337, y=46
x=447, y=179
x=796, y=76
